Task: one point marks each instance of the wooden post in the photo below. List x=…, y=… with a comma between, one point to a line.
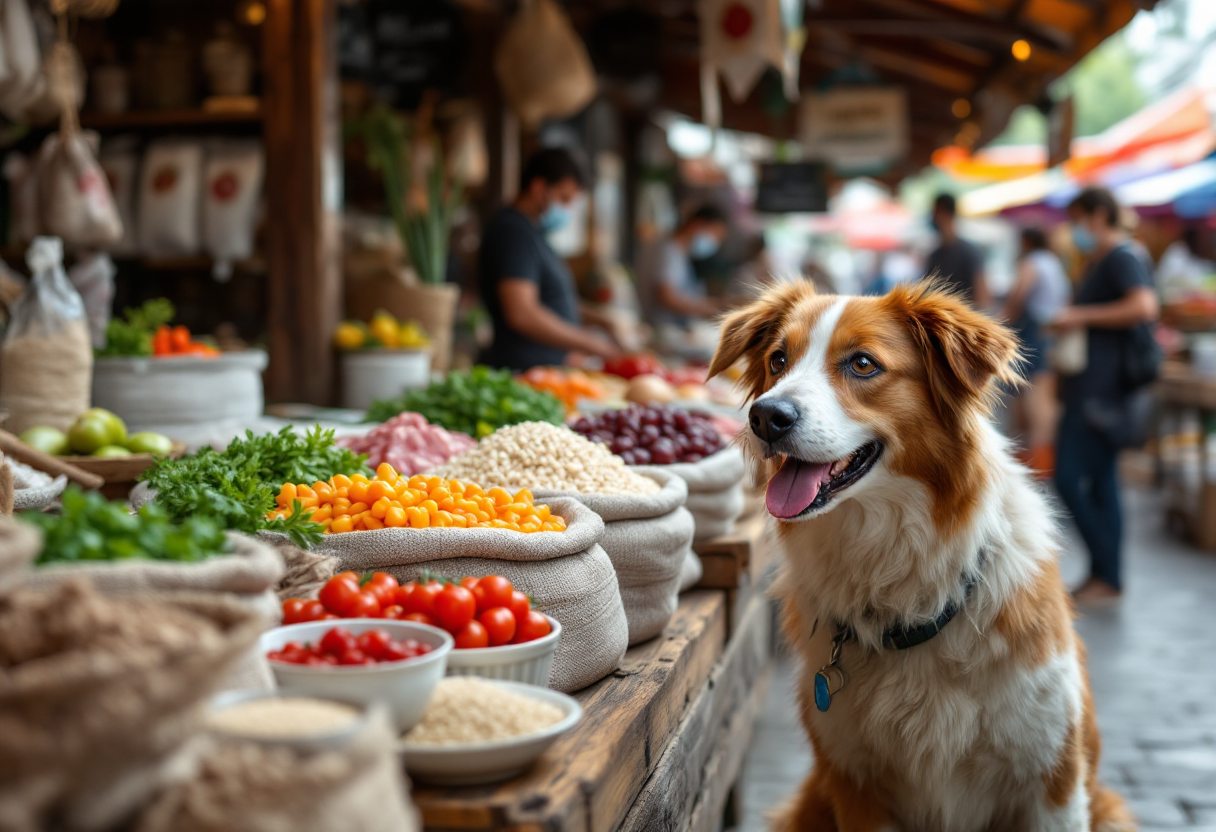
x=303, y=195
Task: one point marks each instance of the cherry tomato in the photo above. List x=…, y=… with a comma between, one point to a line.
x=353, y=656
x=179, y=337
x=403, y=592
x=384, y=587
x=499, y=624
x=338, y=593
x=454, y=607
x=162, y=342
x=421, y=599
x=394, y=612
x=363, y=605
x=472, y=636
x=533, y=626
x=291, y=610
x=468, y=582
x=373, y=642
x=338, y=641
x=419, y=617
x=519, y=606
x=395, y=651
x=496, y=592
x=329, y=616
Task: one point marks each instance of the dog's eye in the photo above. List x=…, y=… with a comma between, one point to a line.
x=776, y=362
x=863, y=365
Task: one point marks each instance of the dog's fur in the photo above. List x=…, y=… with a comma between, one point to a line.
x=990, y=725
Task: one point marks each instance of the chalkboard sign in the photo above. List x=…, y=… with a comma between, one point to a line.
x=792, y=187
x=401, y=49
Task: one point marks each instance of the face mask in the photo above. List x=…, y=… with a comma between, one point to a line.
x=554, y=217
x=703, y=245
x=1083, y=239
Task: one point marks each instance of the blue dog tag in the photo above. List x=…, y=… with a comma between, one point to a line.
x=823, y=694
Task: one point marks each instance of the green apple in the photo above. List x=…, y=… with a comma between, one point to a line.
x=47, y=439
x=147, y=442
x=88, y=433
x=117, y=427
x=111, y=451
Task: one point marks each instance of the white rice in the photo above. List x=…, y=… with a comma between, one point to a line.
x=283, y=717
x=466, y=709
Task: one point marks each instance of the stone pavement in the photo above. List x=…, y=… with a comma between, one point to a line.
x=1153, y=670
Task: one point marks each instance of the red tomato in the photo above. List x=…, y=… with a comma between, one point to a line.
x=364, y=605
x=329, y=616
x=472, y=636
x=519, y=607
x=339, y=592
x=338, y=641
x=384, y=587
x=496, y=592
x=394, y=612
x=468, y=582
x=533, y=626
x=354, y=656
x=373, y=642
x=311, y=611
x=394, y=651
x=291, y=610
x=499, y=624
x=419, y=617
x=421, y=599
x=454, y=607
x=179, y=337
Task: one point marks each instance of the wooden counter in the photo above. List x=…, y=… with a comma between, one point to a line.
x=660, y=744
x=1180, y=389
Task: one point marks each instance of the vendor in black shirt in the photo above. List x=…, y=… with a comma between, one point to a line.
x=525, y=285
x=956, y=262
x=1115, y=296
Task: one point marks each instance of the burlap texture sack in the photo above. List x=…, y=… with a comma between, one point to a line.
x=648, y=538
x=715, y=491
x=19, y=545
x=691, y=572
x=250, y=787
x=567, y=575
x=306, y=571
x=7, y=486
x=543, y=66
x=100, y=697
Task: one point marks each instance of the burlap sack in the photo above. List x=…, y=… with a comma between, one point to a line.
x=648, y=538
x=306, y=571
x=20, y=543
x=567, y=575
x=543, y=66
x=715, y=491
x=691, y=572
x=250, y=787
x=100, y=697
x=6, y=487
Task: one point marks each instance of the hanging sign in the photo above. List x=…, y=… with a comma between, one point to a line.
x=792, y=187
x=855, y=128
x=412, y=47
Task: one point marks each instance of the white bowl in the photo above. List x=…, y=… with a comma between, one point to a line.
x=406, y=687
x=489, y=762
x=529, y=662
x=332, y=740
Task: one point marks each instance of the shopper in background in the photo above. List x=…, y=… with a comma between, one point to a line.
x=958, y=263
x=1115, y=298
x=1181, y=270
x=668, y=289
x=1039, y=292
x=526, y=287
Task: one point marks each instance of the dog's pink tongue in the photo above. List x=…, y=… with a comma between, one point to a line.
x=794, y=487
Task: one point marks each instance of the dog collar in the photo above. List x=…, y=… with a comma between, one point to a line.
x=831, y=678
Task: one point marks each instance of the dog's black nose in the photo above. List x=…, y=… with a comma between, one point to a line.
x=772, y=419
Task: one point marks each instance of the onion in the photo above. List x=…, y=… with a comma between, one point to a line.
x=649, y=388
x=692, y=393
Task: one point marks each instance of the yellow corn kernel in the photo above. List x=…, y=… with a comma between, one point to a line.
x=288, y=492
x=386, y=472
x=354, y=478
x=418, y=518
x=429, y=506
x=371, y=523
x=523, y=496
x=380, y=508
x=395, y=518
x=499, y=496
x=340, y=481
x=341, y=524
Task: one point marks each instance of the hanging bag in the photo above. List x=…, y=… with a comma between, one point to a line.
x=543, y=65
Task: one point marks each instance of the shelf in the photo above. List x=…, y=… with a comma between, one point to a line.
x=137, y=119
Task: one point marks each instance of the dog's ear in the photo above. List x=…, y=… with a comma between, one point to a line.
x=746, y=332
x=968, y=354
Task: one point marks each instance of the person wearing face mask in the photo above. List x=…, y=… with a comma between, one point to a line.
x=1115, y=304
x=526, y=287
x=668, y=290
x=955, y=261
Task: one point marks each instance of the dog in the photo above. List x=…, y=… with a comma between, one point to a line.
x=943, y=688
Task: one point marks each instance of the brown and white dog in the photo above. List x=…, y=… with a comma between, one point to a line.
x=957, y=699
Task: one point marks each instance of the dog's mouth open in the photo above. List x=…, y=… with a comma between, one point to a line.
x=801, y=487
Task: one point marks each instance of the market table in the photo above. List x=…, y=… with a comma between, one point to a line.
x=1181, y=388
x=660, y=744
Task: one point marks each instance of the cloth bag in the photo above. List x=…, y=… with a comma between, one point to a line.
x=74, y=196
x=91, y=728
x=46, y=360
x=93, y=278
x=168, y=202
x=648, y=538
x=233, y=186
x=543, y=66
x=715, y=491
x=251, y=787
x=567, y=574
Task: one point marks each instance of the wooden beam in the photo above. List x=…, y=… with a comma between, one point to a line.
x=303, y=192
x=1042, y=37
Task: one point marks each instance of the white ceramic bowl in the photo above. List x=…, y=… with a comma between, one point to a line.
x=490, y=762
x=406, y=687
x=332, y=740
x=529, y=662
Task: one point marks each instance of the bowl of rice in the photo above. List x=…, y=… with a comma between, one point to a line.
x=306, y=723
x=480, y=731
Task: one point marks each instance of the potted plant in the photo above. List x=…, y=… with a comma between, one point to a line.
x=422, y=213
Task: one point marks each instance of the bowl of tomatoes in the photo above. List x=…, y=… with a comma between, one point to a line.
x=497, y=634
x=361, y=660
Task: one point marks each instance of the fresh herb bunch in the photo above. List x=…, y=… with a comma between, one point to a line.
x=131, y=335
x=237, y=487
x=90, y=527
x=477, y=402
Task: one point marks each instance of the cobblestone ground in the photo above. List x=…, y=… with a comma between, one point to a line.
x=1153, y=669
